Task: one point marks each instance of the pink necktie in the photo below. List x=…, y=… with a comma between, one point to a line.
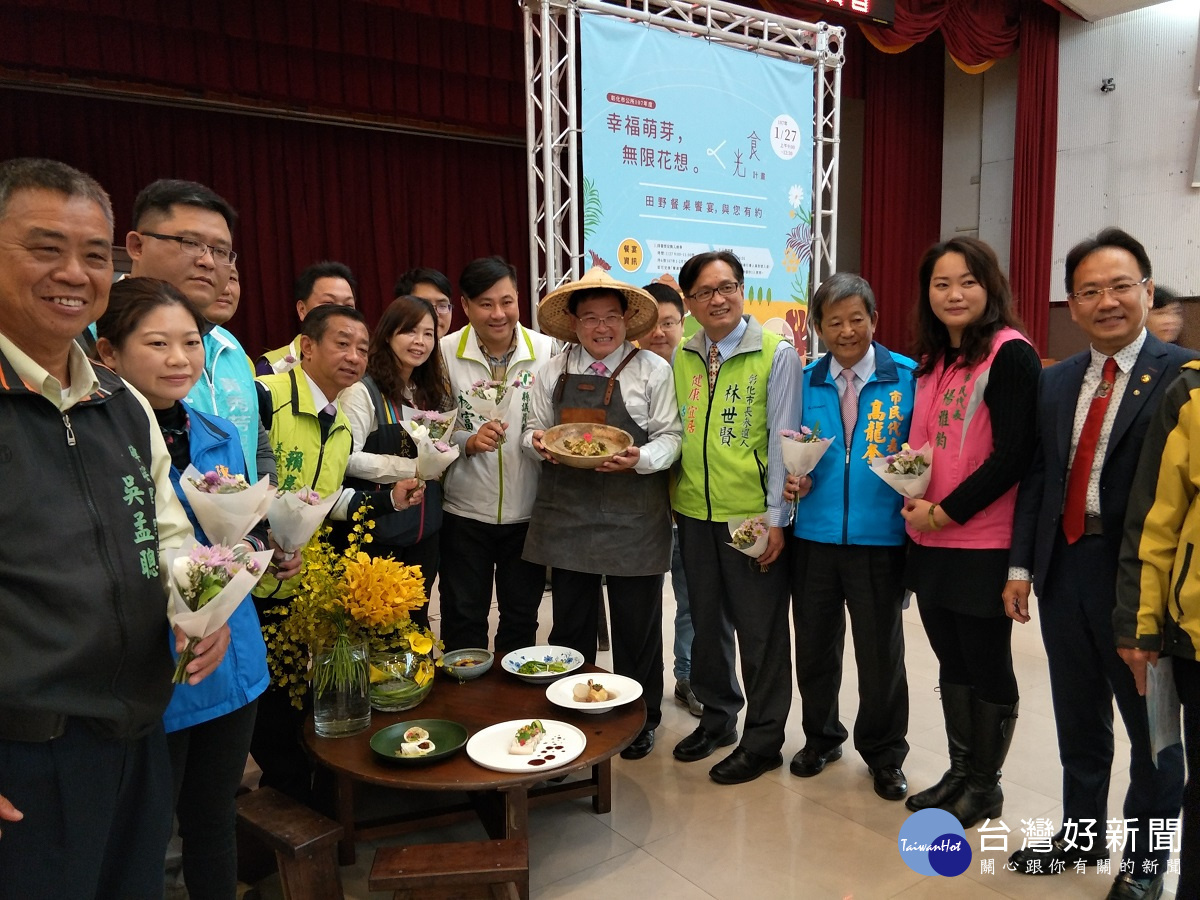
x=849, y=403
x=599, y=368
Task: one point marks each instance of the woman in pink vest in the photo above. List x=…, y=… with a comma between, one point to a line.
x=976, y=396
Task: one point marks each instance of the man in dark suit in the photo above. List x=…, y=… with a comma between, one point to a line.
x=1093, y=411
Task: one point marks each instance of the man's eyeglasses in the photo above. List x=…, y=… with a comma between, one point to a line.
x=443, y=307
x=669, y=323
x=725, y=289
x=1122, y=291
x=593, y=322
x=195, y=248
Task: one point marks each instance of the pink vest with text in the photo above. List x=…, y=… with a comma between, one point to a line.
x=949, y=414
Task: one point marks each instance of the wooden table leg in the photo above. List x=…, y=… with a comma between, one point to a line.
x=516, y=812
x=602, y=775
x=343, y=788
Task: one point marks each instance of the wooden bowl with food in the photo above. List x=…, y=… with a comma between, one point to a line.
x=585, y=446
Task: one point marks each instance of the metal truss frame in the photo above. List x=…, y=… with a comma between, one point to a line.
x=552, y=113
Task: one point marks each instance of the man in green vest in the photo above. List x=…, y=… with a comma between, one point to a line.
x=738, y=386
x=325, y=283
x=311, y=438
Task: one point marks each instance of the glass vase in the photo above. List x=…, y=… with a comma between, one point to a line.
x=340, y=685
x=400, y=680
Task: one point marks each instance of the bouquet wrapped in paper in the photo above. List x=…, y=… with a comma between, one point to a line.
x=206, y=584
x=428, y=430
x=907, y=472
x=490, y=400
x=296, y=516
x=225, y=505
x=749, y=536
x=803, y=449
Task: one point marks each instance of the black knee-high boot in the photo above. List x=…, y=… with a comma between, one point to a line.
x=992, y=727
x=956, y=709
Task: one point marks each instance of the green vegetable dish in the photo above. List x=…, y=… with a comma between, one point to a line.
x=536, y=667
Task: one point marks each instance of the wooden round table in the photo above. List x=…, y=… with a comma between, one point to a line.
x=500, y=799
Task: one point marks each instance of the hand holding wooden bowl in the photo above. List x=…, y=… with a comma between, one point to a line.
x=585, y=446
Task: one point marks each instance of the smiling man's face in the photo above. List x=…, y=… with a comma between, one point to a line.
x=600, y=325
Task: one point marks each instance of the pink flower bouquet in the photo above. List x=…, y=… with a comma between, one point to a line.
x=749, y=536
x=434, y=455
x=490, y=400
x=803, y=449
x=225, y=505
x=206, y=585
x=907, y=472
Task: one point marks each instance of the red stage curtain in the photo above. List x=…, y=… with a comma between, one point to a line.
x=1034, y=169
x=976, y=32
x=450, y=64
x=902, y=178
x=380, y=202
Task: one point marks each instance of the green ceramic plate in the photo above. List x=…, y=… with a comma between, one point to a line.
x=448, y=737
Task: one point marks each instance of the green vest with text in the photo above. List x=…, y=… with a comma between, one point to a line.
x=303, y=459
x=723, y=468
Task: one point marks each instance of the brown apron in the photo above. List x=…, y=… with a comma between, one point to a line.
x=605, y=523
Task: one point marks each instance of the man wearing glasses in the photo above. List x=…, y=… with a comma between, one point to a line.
x=431, y=285
x=738, y=386
x=1093, y=412
x=183, y=234
x=321, y=284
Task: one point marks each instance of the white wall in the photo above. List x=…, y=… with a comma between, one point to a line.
x=1126, y=158
x=977, y=154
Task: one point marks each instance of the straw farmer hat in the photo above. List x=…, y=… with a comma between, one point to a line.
x=641, y=316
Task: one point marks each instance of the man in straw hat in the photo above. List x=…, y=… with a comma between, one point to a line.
x=613, y=520
x=738, y=386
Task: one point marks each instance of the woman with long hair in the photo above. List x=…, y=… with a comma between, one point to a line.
x=404, y=374
x=976, y=397
x=150, y=336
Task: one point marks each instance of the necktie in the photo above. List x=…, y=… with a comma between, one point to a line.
x=1075, y=508
x=599, y=368
x=849, y=404
x=325, y=417
x=714, y=366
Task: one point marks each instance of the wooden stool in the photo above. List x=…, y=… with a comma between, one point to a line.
x=443, y=870
x=304, y=841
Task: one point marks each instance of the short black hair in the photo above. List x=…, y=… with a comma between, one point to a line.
x=594, y=293
x=34, y=174
x=159, y=196
x=664, y=293
x=481, y=274
x=693, y=267
x=837, y=287
x=316, y=323
x=413, y=277
x=1109, y=237
x=327, y=268
x=1164, y=297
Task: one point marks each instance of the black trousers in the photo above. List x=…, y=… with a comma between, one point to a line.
x=473, y=554
x=729, y=595
x=97, y=817
x=1086, y=674
x=1187, y=683
x=827, y=581
x=207, y=762
x=636, y=623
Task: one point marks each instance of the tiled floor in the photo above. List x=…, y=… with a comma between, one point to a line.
x=673, y=833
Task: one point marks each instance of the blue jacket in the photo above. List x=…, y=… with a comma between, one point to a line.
x=242, y=674
x=227, y=389
x=849, y=504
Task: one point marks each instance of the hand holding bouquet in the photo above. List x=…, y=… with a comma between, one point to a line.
x=206, y=585
x=490, y=400
x=907, y=472
x=803, y=449
x=749, y=536
x=427, y=430
x=225, y=505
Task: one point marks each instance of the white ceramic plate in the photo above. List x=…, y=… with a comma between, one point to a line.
x=572, y=659
x=561, y=744
x=625, y=690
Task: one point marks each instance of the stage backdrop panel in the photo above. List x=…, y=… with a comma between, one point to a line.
x=690, y=146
